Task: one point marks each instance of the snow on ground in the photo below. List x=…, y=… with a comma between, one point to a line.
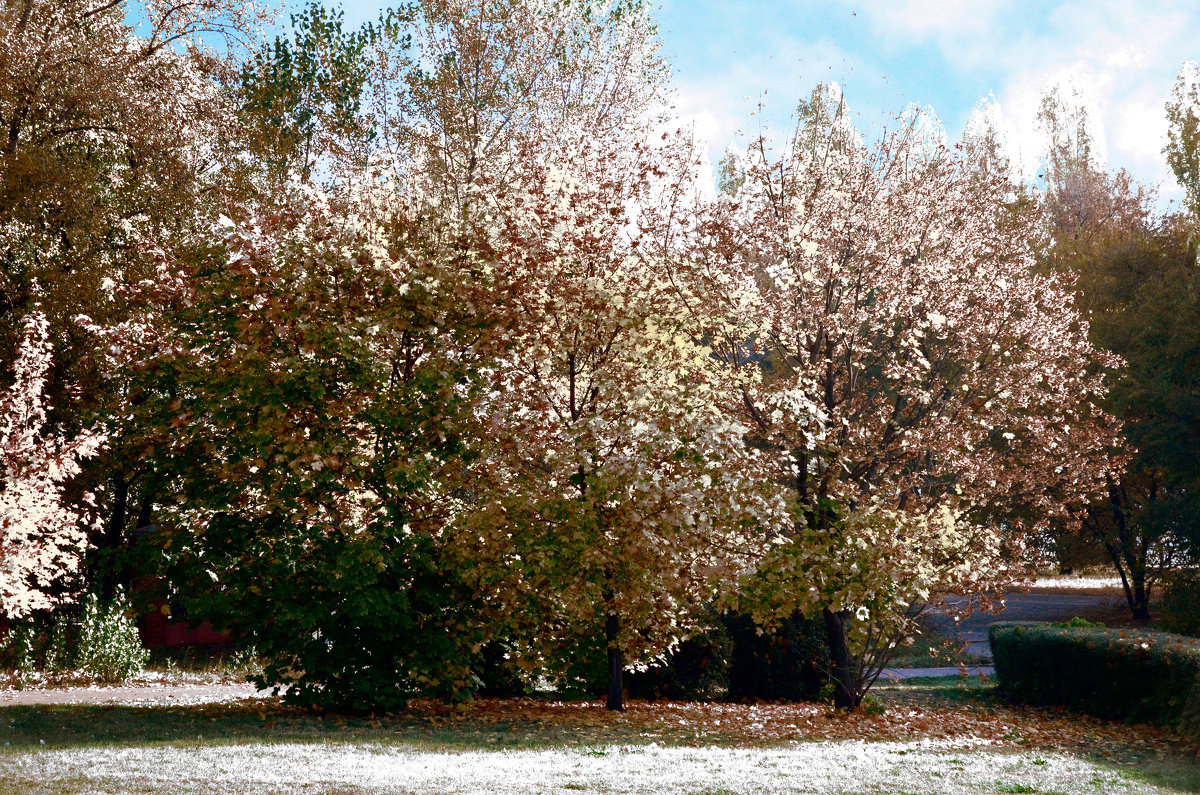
x=1063, y=581
x=134, y=695
x=852, y=766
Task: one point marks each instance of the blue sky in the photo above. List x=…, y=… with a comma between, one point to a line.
x=1122, y=57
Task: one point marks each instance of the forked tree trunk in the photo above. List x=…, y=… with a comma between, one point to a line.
x=616, y=664
x=845, y=684
x=1126, y=552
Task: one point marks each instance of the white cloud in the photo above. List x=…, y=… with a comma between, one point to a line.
x=920, y=19
x=758, y=92
x=1121, y=56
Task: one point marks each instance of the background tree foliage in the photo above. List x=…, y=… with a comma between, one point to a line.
x=1135, y=279
x=108, y=134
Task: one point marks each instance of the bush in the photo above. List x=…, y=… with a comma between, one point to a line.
x=498, y=674
x=577, y=667
x=697, y=668
x=788, y=664
x=725, y=657
x=1121, y=674
x=19, y=652
x=360, y=621
x=108, y=648
x=1180, y=603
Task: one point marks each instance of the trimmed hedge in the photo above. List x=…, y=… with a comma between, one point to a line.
x=1123, y=674
x=1179, y=606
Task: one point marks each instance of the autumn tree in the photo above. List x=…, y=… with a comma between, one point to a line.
x=109, y=129
x=887, y=339
x=318, y=470
x=374, y=322
x=628, y=497
x=309, y=353
x=1142, y=295
x=1183, y=134
x=299, y=100
x=1084, y=205
x=41, y=533
x=611, y=502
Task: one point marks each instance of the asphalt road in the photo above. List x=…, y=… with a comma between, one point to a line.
x=1017, y=607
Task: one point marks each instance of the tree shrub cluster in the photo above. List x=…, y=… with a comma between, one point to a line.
x=1134, y=270
x=423, y=360
x=1130, y=675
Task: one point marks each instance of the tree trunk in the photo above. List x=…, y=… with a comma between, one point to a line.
x=114, y=536
x=845, y=684
x=1141, y=601
x=145, y=513
x=616, y=664
x=1135, y=591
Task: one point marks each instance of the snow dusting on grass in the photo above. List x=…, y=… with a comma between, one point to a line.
x=1080, y=583
x=960, y=766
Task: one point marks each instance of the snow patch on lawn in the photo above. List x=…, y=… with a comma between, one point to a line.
x=951, y=767
x=1077, y=582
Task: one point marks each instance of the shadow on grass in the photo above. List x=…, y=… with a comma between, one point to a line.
x=25, y=728
x=486, y=725
x=521, y=725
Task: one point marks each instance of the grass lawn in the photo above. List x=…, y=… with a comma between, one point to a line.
x=945, y=735
x=931, y=651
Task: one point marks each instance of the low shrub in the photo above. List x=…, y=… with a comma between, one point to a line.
x=733, y=658
x=726, y=657
x=108, y=646
x=694, y=669
x=19, y=651
x=576, y=667
x=100, y=642
x=697, y=668
x=1130, y=675
x=498, y=676
x=360, y=621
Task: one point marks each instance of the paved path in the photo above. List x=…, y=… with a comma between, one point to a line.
x=913, y=673
x=974, y=628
